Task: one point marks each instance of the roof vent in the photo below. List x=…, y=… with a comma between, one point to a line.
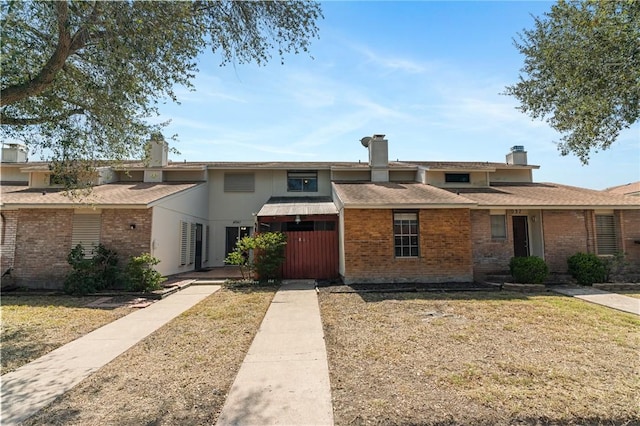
x=517, y=148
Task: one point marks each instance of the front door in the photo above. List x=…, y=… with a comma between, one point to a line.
x=198, y=257
x=520, y=236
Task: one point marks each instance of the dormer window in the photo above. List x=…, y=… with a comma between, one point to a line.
x=457, y=178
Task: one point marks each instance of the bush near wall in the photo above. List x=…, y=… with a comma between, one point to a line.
x=587, y=268
x=528, y=270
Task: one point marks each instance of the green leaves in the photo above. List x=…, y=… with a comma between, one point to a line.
x=582, y=72
x=90, y=73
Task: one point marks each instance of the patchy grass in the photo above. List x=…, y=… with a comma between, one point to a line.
x=630, y=293
x=180, y=374
x=480, y=358
x=34, y=325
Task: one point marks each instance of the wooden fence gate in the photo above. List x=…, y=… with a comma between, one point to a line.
x=311, y=254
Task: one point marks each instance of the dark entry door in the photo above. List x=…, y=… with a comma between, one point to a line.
x=234, y=234
x=520, y=236
x=198, y=257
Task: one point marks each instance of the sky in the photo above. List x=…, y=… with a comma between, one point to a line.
x=428, y=75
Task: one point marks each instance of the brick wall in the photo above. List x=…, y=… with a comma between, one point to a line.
x=630, y=227
x=8, y=239
x=117, y=235
x=43, y=240
x=445, y=247
x=566, y=232
x=490, y=256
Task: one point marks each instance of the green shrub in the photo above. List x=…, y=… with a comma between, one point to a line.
x=530, y=269
x=92, y=274
x=587, y=268
x=262, y=254
x=141, y=276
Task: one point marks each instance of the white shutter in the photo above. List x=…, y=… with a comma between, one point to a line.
x=86, y=231
x=184, y=242
x=606, y=234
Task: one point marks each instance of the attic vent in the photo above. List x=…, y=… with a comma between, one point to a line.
x=517, y=148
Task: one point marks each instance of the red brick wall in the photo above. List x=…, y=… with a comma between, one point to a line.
x=566, y=232
x=630, y=224
x=43, y=240
x=117, y=235
x=490, y=256
x=445, y=247
x=8, y=239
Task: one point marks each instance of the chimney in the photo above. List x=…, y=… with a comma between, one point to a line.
x=14, y=153
x=517, y=156
x=157, y=151
x=378, y=148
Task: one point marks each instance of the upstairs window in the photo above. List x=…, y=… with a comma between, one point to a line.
x=457, y=178
x=302, y=181
x=239, y=182
x=405, y=232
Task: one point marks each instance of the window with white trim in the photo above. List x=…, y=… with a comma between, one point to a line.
x=606, y=236
x=498, y=226
x=405, y=232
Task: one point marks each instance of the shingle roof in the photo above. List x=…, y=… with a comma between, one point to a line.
x=629, y=188
x=291, y=206
x=534, y=195
x=468, y=165
x=122, y=194
x=399, y=195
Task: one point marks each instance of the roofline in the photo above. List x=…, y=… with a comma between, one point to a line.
x=406, y=206
x=556, y=207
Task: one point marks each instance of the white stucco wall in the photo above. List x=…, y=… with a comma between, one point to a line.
x=189, y=206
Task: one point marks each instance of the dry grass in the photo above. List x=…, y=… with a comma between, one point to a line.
x=481, y=359
x=34, y=325
x=178, y=375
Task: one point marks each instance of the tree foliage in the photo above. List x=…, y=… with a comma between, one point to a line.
x=82, y=78
x=582, y=72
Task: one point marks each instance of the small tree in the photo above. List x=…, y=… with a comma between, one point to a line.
x=268, y=250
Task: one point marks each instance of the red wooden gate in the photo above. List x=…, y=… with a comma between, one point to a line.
x=311, y=254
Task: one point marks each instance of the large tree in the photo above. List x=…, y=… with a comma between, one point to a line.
x=582, y=72
x=82, y=78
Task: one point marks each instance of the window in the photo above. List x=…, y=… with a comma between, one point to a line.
x=302, y=181
x=498, y=226
x=405, y=229
x=239, y=182
x=86, y=231
x=456, y=178
x=606, y=238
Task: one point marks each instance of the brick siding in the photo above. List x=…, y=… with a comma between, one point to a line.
x=566, y=232
x=490, y=256
x=445, y=247
x=8, y=240
x=43, y=241
x=630, y=238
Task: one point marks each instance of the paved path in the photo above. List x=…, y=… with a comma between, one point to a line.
x=35, y=385
x=284, y=379
x=601, y=297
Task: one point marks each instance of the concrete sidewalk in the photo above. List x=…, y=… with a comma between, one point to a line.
x=601, y=297
x=35, y=385
x=284, y=379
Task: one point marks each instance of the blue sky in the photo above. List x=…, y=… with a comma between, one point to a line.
x=427, y=74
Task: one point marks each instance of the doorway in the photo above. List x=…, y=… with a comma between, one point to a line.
x=233, y=235
x=520, y=236
x=198, y=256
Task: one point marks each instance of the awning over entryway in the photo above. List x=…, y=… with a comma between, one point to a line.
x=304, y=206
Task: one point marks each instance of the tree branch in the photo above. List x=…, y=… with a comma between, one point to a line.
x=7, y=120
x=48, y=73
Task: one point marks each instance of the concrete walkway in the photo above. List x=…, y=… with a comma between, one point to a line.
x=284, y=379
x=35, y=385
x=601, y=297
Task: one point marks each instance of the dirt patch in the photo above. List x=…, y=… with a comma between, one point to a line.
x=479, y=358
x=180, y=374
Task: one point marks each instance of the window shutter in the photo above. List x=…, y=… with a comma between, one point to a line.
x=86, y=231
x=606, y=234
x=239, y=182
x=184, y=242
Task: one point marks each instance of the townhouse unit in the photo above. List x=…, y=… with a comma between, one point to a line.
x=379, y=221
